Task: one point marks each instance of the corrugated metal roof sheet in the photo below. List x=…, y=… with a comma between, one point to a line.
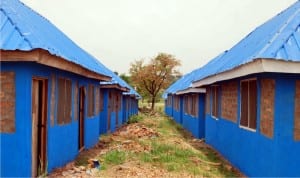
x=117, y=80
x=23, y=29
x=277, y=39
x=186, y=80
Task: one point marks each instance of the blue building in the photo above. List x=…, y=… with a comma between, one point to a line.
x=186, y=104
x=112, y=108
x=131, y=101
x=118, y=103
x=252, y=108
x=49, y=94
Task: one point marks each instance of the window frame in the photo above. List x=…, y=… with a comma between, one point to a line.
x=248, y=96
x=186, y=104
x=213, y=93
x=91, y=100
x=194, y=105
x=64, y=101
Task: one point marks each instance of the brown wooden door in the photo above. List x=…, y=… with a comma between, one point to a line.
x=39, y=126
x=81, y=118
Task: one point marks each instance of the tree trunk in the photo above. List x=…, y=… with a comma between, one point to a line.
x=152, y=102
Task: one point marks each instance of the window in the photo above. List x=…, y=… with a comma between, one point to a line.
x=248, y=103
x=64, y=101
x=97, y=100
x=215, y=92
x=207, y=101
x=194, y=105
x=186, y=104
x=91, y=100
x=169, y=100
x=177, y=103
x=76, y=104
x=101, y=100
x=117, y=101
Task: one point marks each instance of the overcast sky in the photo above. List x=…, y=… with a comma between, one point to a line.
x=117, y=32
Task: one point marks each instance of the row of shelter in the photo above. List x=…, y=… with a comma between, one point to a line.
x=245, y=102
x=56, y=99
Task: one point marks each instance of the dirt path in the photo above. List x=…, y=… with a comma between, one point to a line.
x=155, y=146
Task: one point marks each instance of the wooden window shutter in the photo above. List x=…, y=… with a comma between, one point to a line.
x=76, y=104
x=53, y=99
x=68, y=102
x=207, y=101
x=61, y=101
x=244, y=103
x=97, y=100
x=215, y=102
x=101, y=100
x=64, y=108
x=252, y=103
x=91, y=101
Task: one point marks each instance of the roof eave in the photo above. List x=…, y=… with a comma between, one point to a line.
x=44, y=57
x=260, y=65
x=191, y=90
x=114, y=86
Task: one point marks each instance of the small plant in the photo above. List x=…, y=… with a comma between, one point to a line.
x=82, y=160
x=134, y=119
x=115, y=157
x=41, y=172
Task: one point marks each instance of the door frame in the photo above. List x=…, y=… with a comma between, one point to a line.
x=39, y=125
x=109, y=110
x=81, y=120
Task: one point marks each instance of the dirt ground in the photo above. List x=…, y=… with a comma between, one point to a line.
x=131, y=152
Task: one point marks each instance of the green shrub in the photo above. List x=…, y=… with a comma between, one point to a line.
x=134, y=119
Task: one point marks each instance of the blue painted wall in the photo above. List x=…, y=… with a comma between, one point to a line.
x=169, y=109
x=196, y=124
x=113, y=116
x=250, y=151
x=124, y=102
x=62, y=140
x=104, y=112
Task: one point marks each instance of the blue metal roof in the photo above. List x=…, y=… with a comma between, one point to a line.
x=117, y=80
x=186, y=80
x=23, y=29
x=277, y=39
x=133, y=92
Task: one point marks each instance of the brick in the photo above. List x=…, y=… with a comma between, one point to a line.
x=7, y=102
x=229, y=100
x=267, y=107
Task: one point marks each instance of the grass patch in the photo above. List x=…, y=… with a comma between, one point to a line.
x=169, y=156
x=173, y=149
x=115, y=157
x=135, y=119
